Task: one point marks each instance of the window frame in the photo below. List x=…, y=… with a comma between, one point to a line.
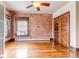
x=22, y=19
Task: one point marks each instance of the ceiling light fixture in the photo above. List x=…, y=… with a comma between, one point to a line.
x=36, y=4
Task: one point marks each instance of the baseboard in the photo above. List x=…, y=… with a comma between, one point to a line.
x=77, y=49
x=9, y=39
x=74, y=49
x=12, y=38
x=33, y=40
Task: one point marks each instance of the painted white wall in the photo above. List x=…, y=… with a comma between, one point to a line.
x=77, y=23
x=1, y=20
x=1, y=29
x=71, y=6
x=52, y=27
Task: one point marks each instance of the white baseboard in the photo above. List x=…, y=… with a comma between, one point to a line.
x=31, y=39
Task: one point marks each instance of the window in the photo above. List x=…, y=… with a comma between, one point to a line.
x=7, y=26
x=22, y=26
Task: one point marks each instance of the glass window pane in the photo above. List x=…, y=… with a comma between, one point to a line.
x=22, y=27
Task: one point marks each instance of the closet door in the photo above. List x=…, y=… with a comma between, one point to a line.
x=56, y=30
x=59, y=27
x=65, y=29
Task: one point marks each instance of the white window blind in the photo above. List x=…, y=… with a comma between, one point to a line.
x=22, y=27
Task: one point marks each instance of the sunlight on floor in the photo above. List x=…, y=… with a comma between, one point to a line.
x=36, y=50
x=21, y=52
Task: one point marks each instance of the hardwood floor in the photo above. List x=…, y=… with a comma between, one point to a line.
x=36, y=50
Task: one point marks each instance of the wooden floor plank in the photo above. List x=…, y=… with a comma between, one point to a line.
x=36, y=50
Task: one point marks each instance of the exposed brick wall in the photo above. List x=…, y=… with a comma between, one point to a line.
x=10, y=21
x=40, y=25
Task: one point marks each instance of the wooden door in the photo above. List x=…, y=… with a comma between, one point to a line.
x=59, y=27
x=65, y=29
x=62, y=35
x=56, y=30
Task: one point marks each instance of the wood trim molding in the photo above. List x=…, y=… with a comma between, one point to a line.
x=23, y=18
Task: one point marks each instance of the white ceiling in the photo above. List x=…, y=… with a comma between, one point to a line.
x=20, y=6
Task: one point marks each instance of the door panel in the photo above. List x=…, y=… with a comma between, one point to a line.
x=56, y=30
x=59, y=31
x=65, y=30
